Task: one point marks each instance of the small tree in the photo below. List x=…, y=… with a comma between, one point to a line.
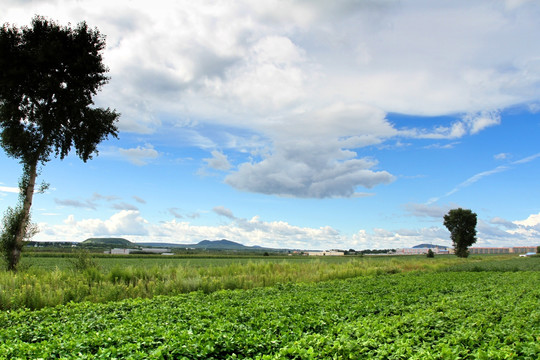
x=430, y=254
x=49, y=75
x=462, y=226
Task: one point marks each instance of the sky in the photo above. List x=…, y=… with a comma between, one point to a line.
x=302, y=124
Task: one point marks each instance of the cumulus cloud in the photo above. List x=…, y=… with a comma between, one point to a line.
x=386, y=239
x=313, y=156
x=280, y=234
x=218, y=161
x=500, y=232
x=139, y=155
x=287, y=176
x=124, y=223
x=532, y=221
x=315, y=80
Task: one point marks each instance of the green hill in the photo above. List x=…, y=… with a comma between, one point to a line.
x=109, y=242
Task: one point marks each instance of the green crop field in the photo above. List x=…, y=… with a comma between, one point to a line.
x=363, y=308
x=50, y=281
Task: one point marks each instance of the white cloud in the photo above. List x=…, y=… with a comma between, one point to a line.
x=301, y=73
x=442, y=146
x=284, y=174
x=532, y=221
x=218, y=161
x=384, y=239
x=482, y=120
x=280, y=234
x=140, y=155
x=9, y=189
x=126, y=223
x=312, y=157
x=501, y=156
x=526, y=159
x=473, y=179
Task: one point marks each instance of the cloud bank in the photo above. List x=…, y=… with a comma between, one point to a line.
x=314, y=80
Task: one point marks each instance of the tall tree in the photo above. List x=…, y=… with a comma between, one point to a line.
x=48, y=77
x=462, y=226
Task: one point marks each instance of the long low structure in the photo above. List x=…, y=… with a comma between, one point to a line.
x=420, y=251
x=502, y=250
x=326, y=253
x=117, y=251
x=472, y=250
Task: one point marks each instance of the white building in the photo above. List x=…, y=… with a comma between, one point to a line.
x=326, y=253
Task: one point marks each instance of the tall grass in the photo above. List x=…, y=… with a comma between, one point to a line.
x=96, y=280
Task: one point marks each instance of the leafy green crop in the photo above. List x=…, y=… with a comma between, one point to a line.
x=437, y=315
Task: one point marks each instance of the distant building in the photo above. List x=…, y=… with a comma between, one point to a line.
x=423, y=250
x=490, y=250
x=326, y=253
x=472, y=250
x=502, y=250
x=117, y=251
x=523, y=249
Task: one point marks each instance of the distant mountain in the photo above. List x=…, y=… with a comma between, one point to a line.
x=429, y=246
x=222, y=244
x=115, y=242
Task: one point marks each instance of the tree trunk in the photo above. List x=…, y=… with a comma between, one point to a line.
x=28, y=185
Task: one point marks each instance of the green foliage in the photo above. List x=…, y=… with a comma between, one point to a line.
x=401, y=316
x=49, y=76
x=430, y=254
x=117, y=278
x=83, y=260
x=462, y=226
x=11, y=224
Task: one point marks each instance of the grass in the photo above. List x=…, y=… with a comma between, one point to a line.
x=52, y=281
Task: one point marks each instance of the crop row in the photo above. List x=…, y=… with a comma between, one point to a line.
x=99, y=280
x=438, y=315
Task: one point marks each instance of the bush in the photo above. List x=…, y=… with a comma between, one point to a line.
x=83, y=261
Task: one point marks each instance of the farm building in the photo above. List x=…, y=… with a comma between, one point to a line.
x=489, y=250
x=326, y=253
x=502, y=250
x=424, y=250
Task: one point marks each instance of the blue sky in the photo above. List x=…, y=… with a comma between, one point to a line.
x=303, y=124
